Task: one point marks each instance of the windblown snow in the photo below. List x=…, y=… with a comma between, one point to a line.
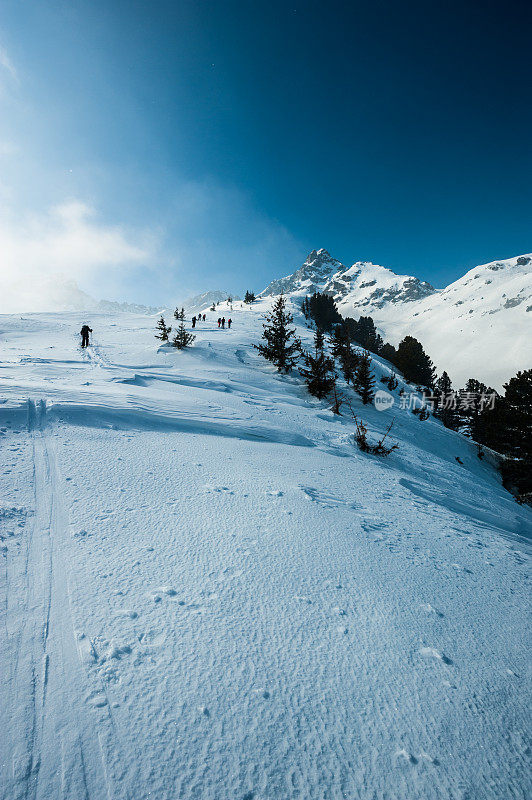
x=209, y=592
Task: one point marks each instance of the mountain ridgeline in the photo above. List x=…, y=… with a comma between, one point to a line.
x=481, y=322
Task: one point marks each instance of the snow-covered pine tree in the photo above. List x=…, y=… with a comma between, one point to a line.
x=182, y=338
x=249, y=297
x=342, y=349
x=179, y=315
x=282, y=347
x=364, y=378
x=318, y=372
x=163, y=330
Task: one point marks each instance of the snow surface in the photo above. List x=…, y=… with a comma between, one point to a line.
x=209, y=592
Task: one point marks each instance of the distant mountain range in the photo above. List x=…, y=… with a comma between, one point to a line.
x=479, y=326
x=59, y=293
x=205, y=300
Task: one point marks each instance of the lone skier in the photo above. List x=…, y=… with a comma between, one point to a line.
x=85, y=330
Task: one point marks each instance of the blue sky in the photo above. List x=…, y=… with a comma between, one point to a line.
x=151, y=150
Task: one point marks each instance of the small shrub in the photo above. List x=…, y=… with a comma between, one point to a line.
x=374, y=448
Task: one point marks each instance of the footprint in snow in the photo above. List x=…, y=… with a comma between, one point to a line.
x=431, y=610
x=97, y=700
x=403, y=755
x=263, y=693
x=127, y=612
x=512, y=673
x=340, y=612
x=275, y=493
x=82, y=534
x=431, y=652
x=117, y=651
x=462, y=568
x=151, y=639
x=342, y=629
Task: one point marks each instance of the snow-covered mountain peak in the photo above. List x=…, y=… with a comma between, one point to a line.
x=318, y=268
x=373, y=287
x=364, y=283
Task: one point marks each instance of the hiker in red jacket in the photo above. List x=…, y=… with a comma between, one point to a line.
x=229, y=321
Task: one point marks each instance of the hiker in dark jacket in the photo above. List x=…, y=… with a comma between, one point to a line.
x=204, y=318
x=193, y=322
x=85, y=330
x=223, y=322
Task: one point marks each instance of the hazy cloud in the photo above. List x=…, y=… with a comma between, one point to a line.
x=68, y=240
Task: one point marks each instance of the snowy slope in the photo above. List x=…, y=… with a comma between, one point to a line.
x=480, y=326
x=210, y=593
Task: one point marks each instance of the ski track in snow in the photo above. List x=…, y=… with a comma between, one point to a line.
x=208, y=592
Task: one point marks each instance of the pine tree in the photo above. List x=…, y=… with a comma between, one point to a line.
x=445, y=402
x=472, y=402
x=342, y=349
x=282, y=347
x=365, y=334
x=179, y=315
x=507, y=428
x=163, y=329
x=364, y=378
x=318, y=372
x=182, y=338
x=414, y=363
x=388, y=352
x=249, y=297
x=322, y=309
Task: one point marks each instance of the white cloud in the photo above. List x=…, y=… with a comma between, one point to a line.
x=69, y=241
x=6, y=65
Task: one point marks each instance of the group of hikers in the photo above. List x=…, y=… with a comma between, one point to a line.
x=199, y=318
x=85, y=330
x=221, y=321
